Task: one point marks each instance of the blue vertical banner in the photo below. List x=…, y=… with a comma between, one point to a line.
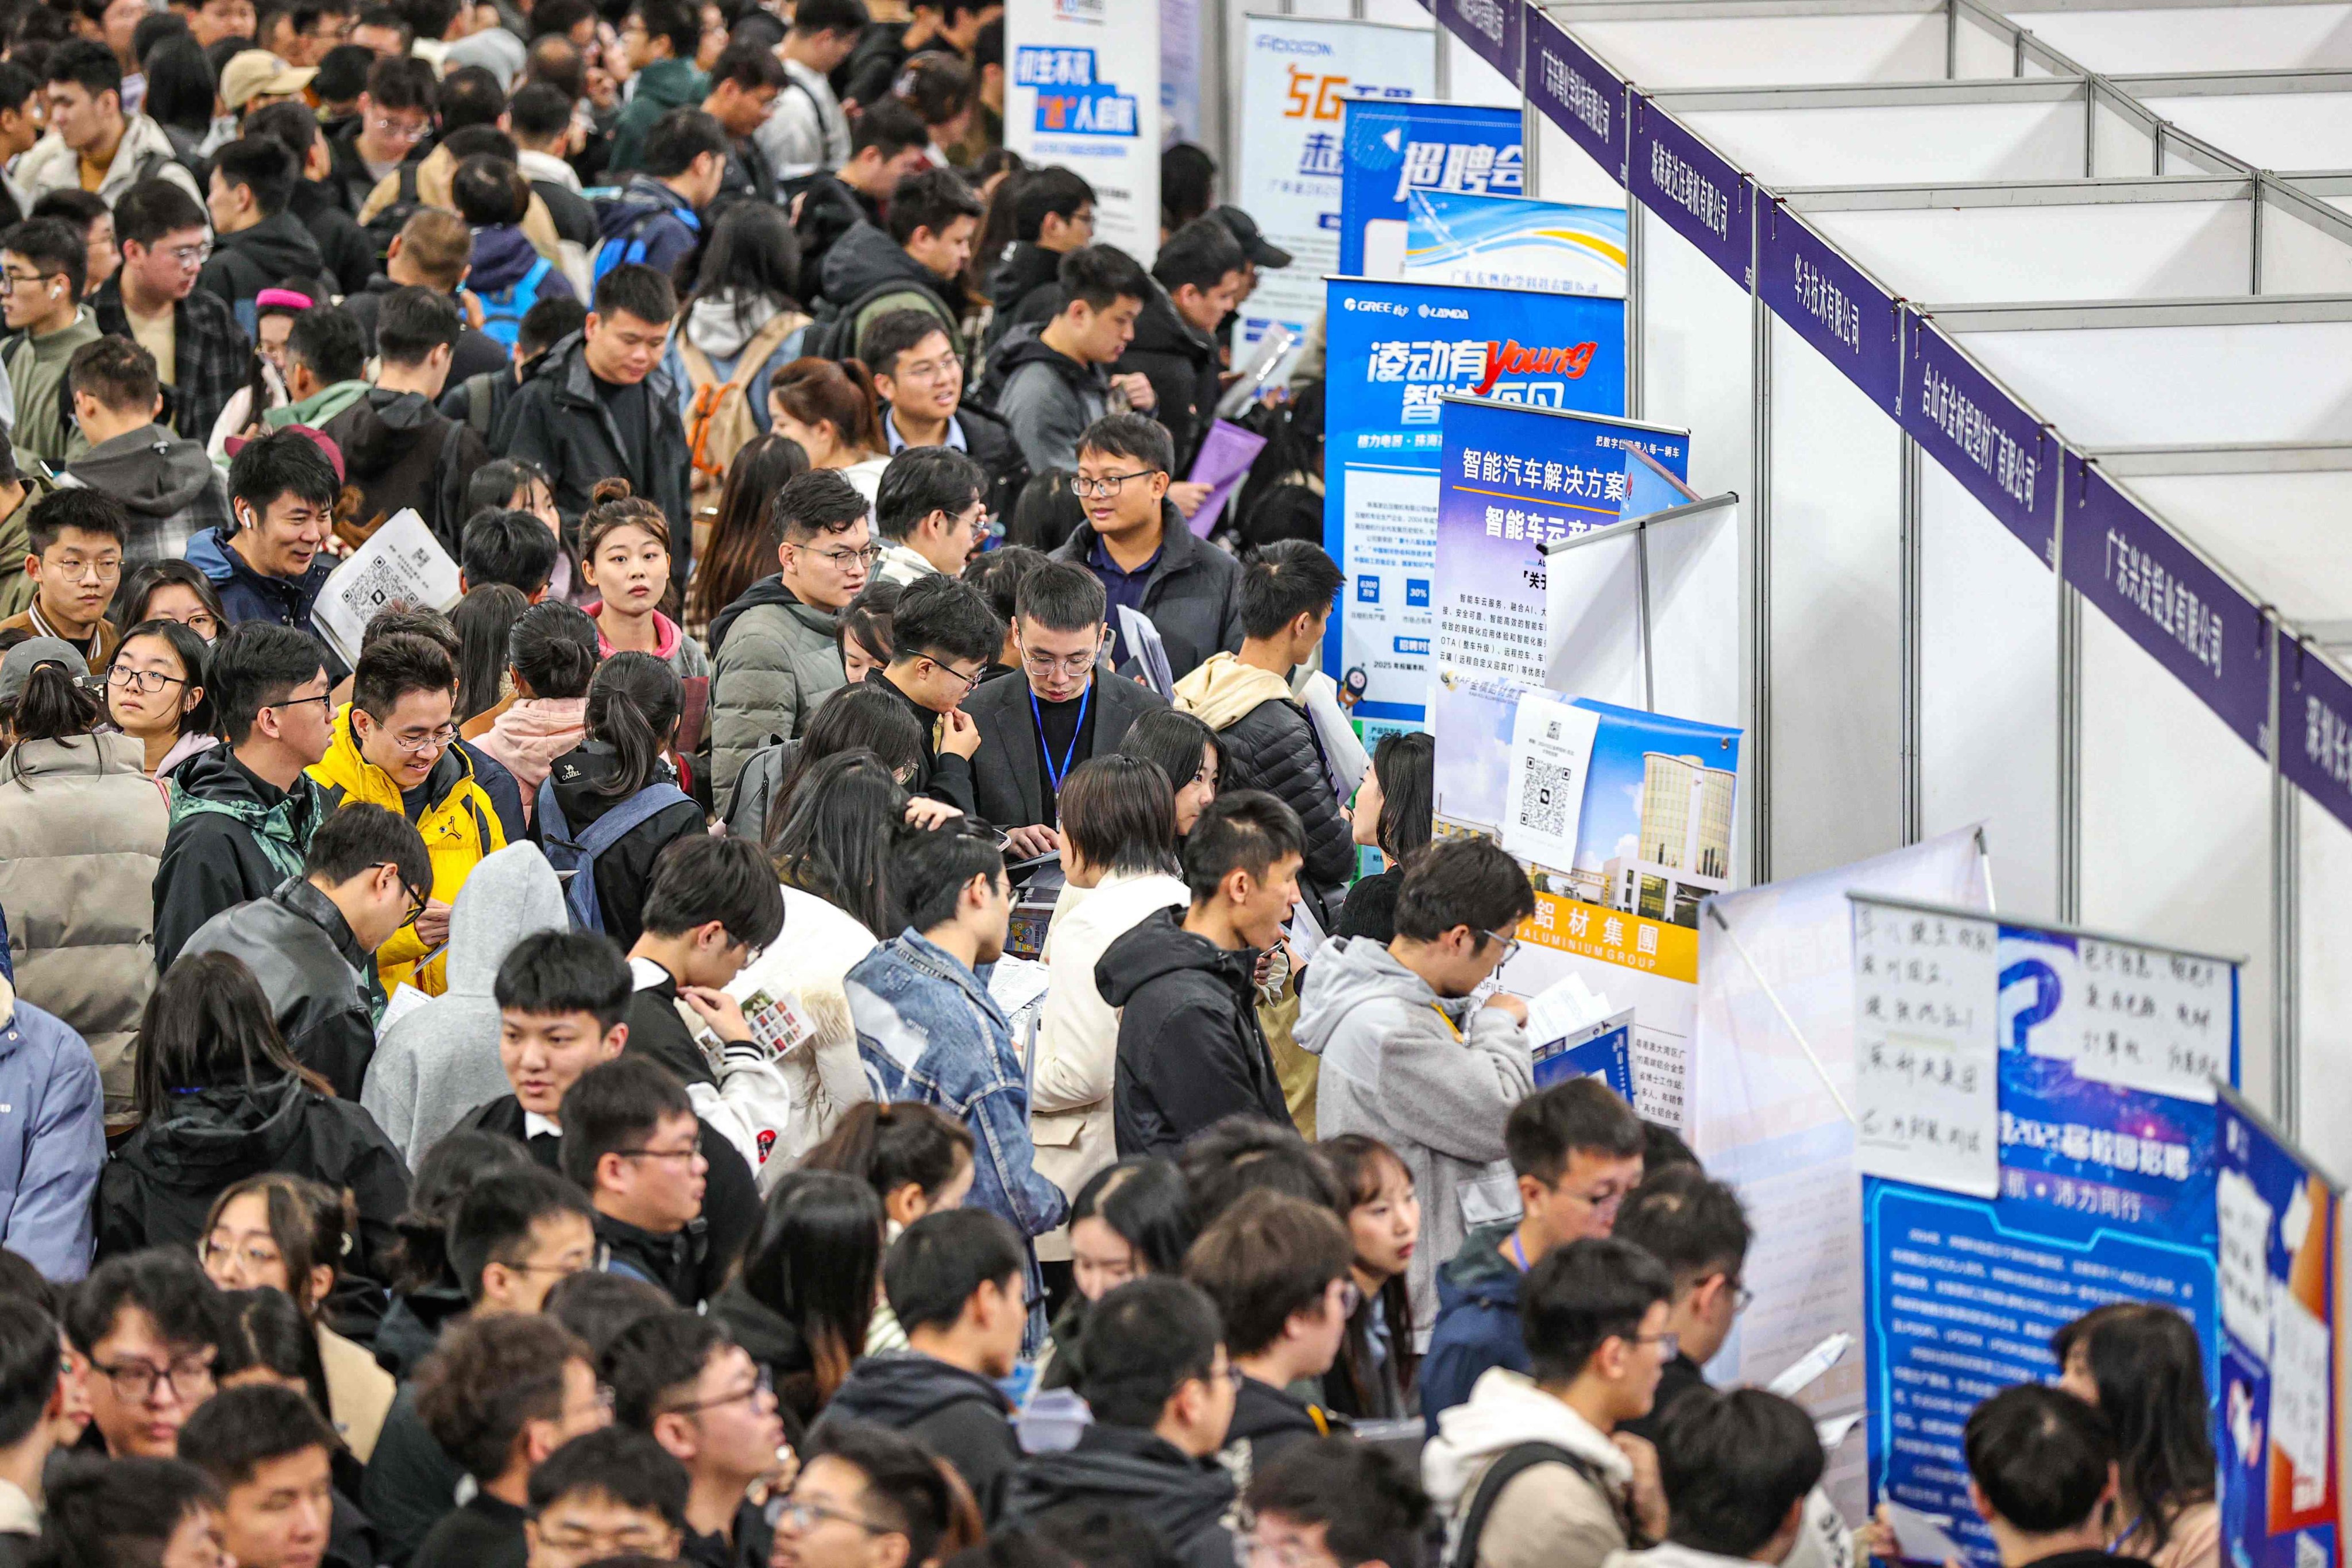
x=2316, y=712
x=2106, y=1192
x=1395, y=352
x=1576, y=92
x=2277, y=1215
x=1393, y=148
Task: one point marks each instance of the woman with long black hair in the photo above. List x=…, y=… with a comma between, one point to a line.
x=550, y=657
x=2142, y=1366
x=805, y=1299
x=1392, y=813
x=632, y=710
x=745, y=305
x=1372, y=1379
x=742, y=540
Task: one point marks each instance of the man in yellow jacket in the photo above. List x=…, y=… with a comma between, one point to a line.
x=395, y=747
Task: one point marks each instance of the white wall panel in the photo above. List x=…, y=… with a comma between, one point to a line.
x=2164, y=385
x=2299, y=257
x=2196, y=38
x=1892, y=145
x=2269, y=129
x=2324, y=985
x=2284, y=535
x=2117, y=250
x=1744, y=51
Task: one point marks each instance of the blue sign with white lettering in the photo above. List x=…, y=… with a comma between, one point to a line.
x=1394, y=147
x=1830, y=303
x=1985, y=439
x=1577, y=93
x=2316, y=712
x=1687, y=183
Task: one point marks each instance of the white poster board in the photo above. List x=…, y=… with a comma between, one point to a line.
x=1686, y=658
x=1082, y=90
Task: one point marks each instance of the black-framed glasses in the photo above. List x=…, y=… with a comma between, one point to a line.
x=764, y=1384
x=150, y=681
x=190, y=1378
x=416, y=899
x=806, y=1515
x=662, y=1153
x=12, y=281
x=324, y=697
x=1510, y=947
x=969, y=680
x=1108, y=485
x=1670, y=1343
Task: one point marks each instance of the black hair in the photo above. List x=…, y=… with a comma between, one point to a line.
x=868, y=618
x=450, y=1169
x=930, y=867
x=54, y=245
x=817, y=501
x=648, y=1360
x=633, y=707
x=889, y=128
x=480, y=141
x=1247, y=830
x=937, y=85
x=118, y=1513
x=1284, y=581
x=830, y=824
x=916, y=1494
x=1142, y=1199
x=28, y=1367
x=1692, y=1223
x=1052, y=191
x=742, y=546
x=166, y=1283
x=493, y=485
x=411, y=323
x=1046, y=512
x=1188, y=184
x=1135, y=437
x=546, y=324
x=1200, y=254
x=814, y=1264
x=829, y=16
x=87, y=64
x=53, y=705
x=1578, y=1296
x=238, y=1429
x=540, y=109
x=558, y=19
x=943, y=617
x=633, y=289
x=264, y=166
x=1101, y=275
x=512, y=547
x=263, y=1330
x=328, y=339
x=208, y=1025
x=861, y=717
x=676, y=20
x=749, y=65
x=1176, y=741
x=921, y=480
x=488, y=191
x=182, y=85
x=1362, y=1162
x=484, y=622
x=74, y=205
x=1142, y=1342
x=467, y=97
x=413, y=620
x=752, y=255
x=698, y=879
x=342, y=73
x=1732, y=1464
x=1102, y=1536
x=597, y=1307
x=679, y=137
x=1405, y=763
x=1119, y=813
x=256, y=665
x=998, y=574
x=895, y=333
x=361, y=836
x=151, y=209
x=2041, y=1455
x=1240, y=1155
x=891, y=1145
x=554, y=647
x=284, y=462
x=940, y=1260
x=490, y=1377
x=85, y=511
x=1549, y=1126
x=290, y=122
x=1469, y=881
x=550, y=972
x=1269, y=1257
x=2149, y=1372
x=931, y=199
x=402, y=80
x=493, y=1218
x=140, y=583
x=620, y=1464
x=393, y=667
x=616, y=1105
x=1061, y=596
x=1369, y=1502
x=17, y=84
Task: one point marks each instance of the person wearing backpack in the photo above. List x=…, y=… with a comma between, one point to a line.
x=743, y=322
x=658, y=218
x=1529, y=1471
x=916, y=264
x=506, y=274
x=434, y=249
x=399, y=451
x=259, y=242
x=611, y=805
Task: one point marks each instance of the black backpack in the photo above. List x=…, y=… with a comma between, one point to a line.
x=832, y=333
x=388, y=223
x=1500, y=1474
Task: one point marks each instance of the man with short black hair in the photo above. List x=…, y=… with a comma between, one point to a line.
x=776, y=651
x=957, y=1282
x=201, y=354
x=434, y=251
x=269, y=565
x=808, y=131
x=1190, y=1051
x=930, y=1031
x=1053, y=215
x=75, y=561
x=347, y=250
x=1334, y=1503
x=2041, y=1472
x=612, y=1492
x=243, y=814
x=745, y=81
x=260, y=244
x=1407, y=1059
x=169, y=491
x=1527, y=1470
x=663, y=210
x=1737, y=1470
x=1053, y=712
x=930, y=508
x=28, y=1380
x=395, y=114
x=632, y=1140
x=915, y=263
x=399, y=451
x=942, y=636
x=268, y=1450
x=1155, y=1374
x=599, y=405
x=1051, y=382
x=921, y=381
x=563, y=997
x=546, y=137
x=46, y=262
x=932, y=25
x=1575, y=1151
x=661, y=38
x=145, y=1327
x=1198, y=271
x=326, y=370
x=1695, y=1226
x=312, y=942
x=509, y=547
x=887, y=142
x=1137, y=544
x=1281, y=1271
x=92, y=145
x=679, y=1379
x=1287, y=594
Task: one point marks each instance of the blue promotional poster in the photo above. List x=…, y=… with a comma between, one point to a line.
x=2105, y=1193
x=1395, y=352
x=2277, y=1216
x=1393, y=148
x=1603, y=1050
x=1506, y=242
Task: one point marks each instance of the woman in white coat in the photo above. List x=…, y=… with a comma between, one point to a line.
x=1118, y=843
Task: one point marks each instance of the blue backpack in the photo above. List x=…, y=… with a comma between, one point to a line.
x=503, y=310
x=629, y=244
x=574, y=855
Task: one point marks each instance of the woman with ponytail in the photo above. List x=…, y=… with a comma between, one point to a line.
x=625, y=557
x=82, y=832
x=831, y=409
x=550, y=658
x=632, y=714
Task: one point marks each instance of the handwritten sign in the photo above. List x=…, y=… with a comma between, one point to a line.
x=2245, y=1222
x=1927, y=1050
x=2153, y=1020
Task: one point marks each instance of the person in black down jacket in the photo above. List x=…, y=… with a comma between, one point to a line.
x=220, y=1099
x=804, y=1301
x=1053, y=215
x=1198, y=271
x=260, y=243
x=954, y=1280
x=921, y=381
x=1160, y=1387
x=633, y=708
x=1190, y=1049
x=1270, y=741
x=312, y=942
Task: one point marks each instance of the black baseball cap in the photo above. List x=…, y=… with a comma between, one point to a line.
x=1261, y=251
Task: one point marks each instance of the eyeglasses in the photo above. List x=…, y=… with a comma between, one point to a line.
x=74, y=569
x=1742, y=1297
x=928, y=369
x=203, y=624
x=1108, y=485
x=805, y=1516
x=189, y=1377
x=589, y=1545
x=593, y=1265
x=150, y=681
x=1670, y=1343
x=210, y=1252
x=323, y=698
x=969, y=680
x=764, y=1386
x=12, y=281
x=1351, y=1296
x=843, y=559
x=431, y=741
x=694, y=1153
x=392, y=130
x=1073, y=664
x=416, y=899
x=190, y=255
x=1510, y=946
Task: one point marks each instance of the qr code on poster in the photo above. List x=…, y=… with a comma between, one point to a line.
x=1544, y=796
x=377, y=583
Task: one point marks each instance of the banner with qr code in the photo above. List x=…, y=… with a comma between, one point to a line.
x=1396, y=350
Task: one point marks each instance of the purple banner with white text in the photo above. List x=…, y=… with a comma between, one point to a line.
x=1687, y=183
x=2000, y=453
x=1491, y=29
x=2316, y=712
x=1830, y=303
x=1577, y=93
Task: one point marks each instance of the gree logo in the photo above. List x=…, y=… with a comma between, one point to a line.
x=1516, y=359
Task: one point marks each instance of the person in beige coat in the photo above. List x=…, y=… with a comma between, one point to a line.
x=82, y=832
x=1531, y=1471
x=1118, y=847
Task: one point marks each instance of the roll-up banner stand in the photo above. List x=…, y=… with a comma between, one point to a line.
x=1082, y=95
x=2278, y=1216
x=1395, y=149
x=2036, y=1120
x=1297, y=76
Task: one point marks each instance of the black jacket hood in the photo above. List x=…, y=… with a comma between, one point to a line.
x=384, y=425
x=1024, y=268
x=1129, y=1470
x=279, y=245
x=901, y=1387
x=208, y=1138
x=1158, y=329
x=1160, y=947
x=866, y=257
x=215, y=773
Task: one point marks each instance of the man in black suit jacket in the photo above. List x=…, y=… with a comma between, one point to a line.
x=1054, y=712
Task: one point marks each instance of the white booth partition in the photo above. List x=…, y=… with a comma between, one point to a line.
x=2284, y=119
x=2125, y=36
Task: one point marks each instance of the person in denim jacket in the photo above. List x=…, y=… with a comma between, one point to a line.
x=928, y=1030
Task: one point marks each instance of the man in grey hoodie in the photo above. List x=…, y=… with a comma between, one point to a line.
x=170, y=489
x=1407, y=1060
x=438, y=1062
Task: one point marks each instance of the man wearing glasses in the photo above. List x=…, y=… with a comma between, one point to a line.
x=201, y=354
x=921, y=381
x=1040, y=723
x=632, y=1140
x=141, y=1328
x=312, y=943
x=677, y=1377
x=75, y=564
x=942, y=635
x=932, y=509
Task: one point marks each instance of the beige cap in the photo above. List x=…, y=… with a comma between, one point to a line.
x=255, y=73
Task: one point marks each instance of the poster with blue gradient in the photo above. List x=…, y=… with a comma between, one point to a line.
x=1395, y=352
x=2277, y=1217
x=1505, y=242
x=1392, y=148
x=2105, y=1193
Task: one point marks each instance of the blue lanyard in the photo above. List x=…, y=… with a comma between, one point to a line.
x=1054, y=776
